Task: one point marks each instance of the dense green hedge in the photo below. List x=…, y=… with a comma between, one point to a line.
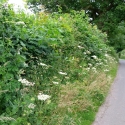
x=38, y=52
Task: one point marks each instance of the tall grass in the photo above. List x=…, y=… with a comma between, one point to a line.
x=79, y=101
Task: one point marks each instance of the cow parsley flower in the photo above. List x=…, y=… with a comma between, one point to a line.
x=55, y=82
x=84, y=53
x=88, y=68
x=90, y=64
x=31, y=106
x=42, y=64
x=43, y=97
x=94, y=69
x=20, y=23
x=62, y=73
x=25, y=64
x=88, y=52
x=80, y=47
x=106, y=55
x=95, y=57
x=106, y=70
x=26, y=82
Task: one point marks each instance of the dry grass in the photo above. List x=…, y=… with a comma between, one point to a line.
x=78, y=97
x=101, y=82
x=78, y=94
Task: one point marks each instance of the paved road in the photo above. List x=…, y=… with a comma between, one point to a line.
x=112, y=112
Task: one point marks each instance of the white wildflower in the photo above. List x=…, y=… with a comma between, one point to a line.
x=100, y=63
x=106, y=61
x=55, y=82
x=43, y=97
x=106, y=55
x=106, y=70
x=94, y=69
x=88, y=52
x=25, y=64
x=90, y=64
x=21, y=71
x=42, y=64
x=85, y=53
x=62, y=73
x=18, y=52
x=31, y=106
x=20, y=23
x=95, y=57
x=26, y=82
x=67, y=77
x=88, y=69
x=80, y=47
x=3, y=118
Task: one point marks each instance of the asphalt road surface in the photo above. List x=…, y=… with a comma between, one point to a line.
x=112, y=112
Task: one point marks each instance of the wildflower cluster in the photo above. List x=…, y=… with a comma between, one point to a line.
x=20, y=23
x=43, y=97
x=95, y=57
x=26, y=82
x=31, y=106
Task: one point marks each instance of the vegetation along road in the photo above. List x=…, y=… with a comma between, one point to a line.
x=112, y=111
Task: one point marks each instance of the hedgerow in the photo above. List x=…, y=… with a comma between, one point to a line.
x=38, y=54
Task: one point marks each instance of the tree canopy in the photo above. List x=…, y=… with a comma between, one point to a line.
x=106, y=14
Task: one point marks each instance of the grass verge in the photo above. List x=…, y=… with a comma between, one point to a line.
x=79, y=102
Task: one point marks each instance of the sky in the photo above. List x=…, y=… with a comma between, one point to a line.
x=19, y=4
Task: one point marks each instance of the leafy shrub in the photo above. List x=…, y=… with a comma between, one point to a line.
x=40, y=52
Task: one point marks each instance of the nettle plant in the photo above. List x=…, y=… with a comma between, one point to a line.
x=40, y=52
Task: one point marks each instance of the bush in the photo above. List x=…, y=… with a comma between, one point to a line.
x=40, y=52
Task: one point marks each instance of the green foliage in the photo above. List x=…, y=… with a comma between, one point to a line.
x=107, y=15
x=118, y=37
x=54, y=6
x=123, y=54
x=79, y=102
x=40, y=52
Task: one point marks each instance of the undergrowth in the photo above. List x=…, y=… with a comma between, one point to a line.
x=50, y=65
x=79, y=101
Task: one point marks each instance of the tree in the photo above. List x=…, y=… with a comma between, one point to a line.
x=2, y=1
x=106, y=14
